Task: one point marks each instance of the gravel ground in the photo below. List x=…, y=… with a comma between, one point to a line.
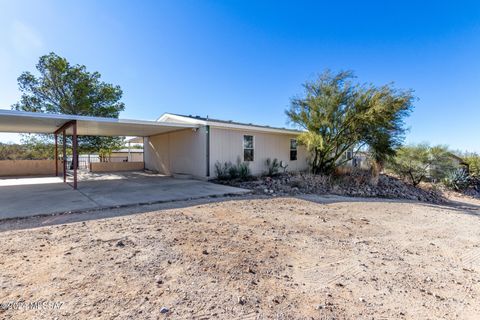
x=266, y=258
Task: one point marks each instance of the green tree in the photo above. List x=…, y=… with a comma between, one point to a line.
x=473, y=161
x=37, y=148
x=340, y=115
x=11, y=152
x=71, y=89
x=33, y=149
x=417, y=163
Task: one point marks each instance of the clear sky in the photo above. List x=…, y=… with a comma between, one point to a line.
x=243, y=60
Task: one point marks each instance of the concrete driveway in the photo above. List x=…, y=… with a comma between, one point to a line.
x=42, y=196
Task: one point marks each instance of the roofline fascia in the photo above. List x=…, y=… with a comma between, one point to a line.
x=252, y=128
x=224, y=125
x=67, y=118
x=182, y=118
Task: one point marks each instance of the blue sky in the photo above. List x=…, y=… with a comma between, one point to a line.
x=244, y=60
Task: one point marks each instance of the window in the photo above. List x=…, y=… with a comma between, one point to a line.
x=293, y=149
x=247, y=148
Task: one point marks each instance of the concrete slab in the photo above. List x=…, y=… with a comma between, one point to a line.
x=24, y=200
x=98, y=191
x=146, y=189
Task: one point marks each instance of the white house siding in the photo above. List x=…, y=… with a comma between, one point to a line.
x=178, y=152
x=227, y=145
x=122, y=156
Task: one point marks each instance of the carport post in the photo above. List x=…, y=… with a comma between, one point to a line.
x=75, y=154
x=64, y=157
x=56, y=155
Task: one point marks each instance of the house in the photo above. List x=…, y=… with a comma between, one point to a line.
x=173, y=145
x=454, y=162
x=352, y=159
x=126, y=155
x=195, y=151
x=458, y=162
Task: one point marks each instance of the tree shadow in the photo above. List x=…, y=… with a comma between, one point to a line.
x=452, y=205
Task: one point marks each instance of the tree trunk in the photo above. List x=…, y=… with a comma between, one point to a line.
x=375, y=171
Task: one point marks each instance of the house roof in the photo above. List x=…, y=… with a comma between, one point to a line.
x=223, y=123
x=453, y=155
x=36, y=122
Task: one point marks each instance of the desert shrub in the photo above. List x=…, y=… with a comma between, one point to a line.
x=243, y=170
x=273, y=167
x=352, y=176
x=233, y=171
x=230, y=171
x=343, y=170
x=473, y=161
x=222, y=170
x=457, y=180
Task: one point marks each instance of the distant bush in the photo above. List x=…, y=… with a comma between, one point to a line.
x=457, y=180
x=273, y=167
x=30, y=149
x=230, y=171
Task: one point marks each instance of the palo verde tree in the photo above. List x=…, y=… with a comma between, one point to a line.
x=417, y=163
x=340, y=115
x=71, y=89
x=473, y=162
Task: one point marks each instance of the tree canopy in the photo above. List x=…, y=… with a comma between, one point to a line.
x=71, y=89
x=473, y=162
x=340, y=115
x=416, y=163
x=30, y=149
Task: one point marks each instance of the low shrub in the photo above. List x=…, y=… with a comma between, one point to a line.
x=222, y=170
x=233, y=171
x=243, y=170
x=273, y=167
x=230, y=171
x=457, y=180
x=353, y=176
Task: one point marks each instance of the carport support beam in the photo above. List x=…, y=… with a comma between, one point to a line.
x=64, y=157
x=75, y=154
x=56, y=155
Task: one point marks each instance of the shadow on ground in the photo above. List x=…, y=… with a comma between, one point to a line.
x=20, y=198
x=460, y=207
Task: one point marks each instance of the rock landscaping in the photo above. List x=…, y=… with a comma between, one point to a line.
x=474, y=189
x=357, y=184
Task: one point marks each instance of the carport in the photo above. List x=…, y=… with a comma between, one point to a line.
x=49, y=196
x=75, y=126
x=34, y=196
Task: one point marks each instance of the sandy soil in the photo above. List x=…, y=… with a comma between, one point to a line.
x=280, y=258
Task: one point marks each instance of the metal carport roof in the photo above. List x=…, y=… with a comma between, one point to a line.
x=64, y=124
x=36, y=122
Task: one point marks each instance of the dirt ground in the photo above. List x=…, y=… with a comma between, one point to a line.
x=267, y=258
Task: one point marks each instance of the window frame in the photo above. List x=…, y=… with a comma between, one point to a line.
x=252, y=148
x=293, y=149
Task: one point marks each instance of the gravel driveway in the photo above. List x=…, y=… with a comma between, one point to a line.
x=275, y=258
